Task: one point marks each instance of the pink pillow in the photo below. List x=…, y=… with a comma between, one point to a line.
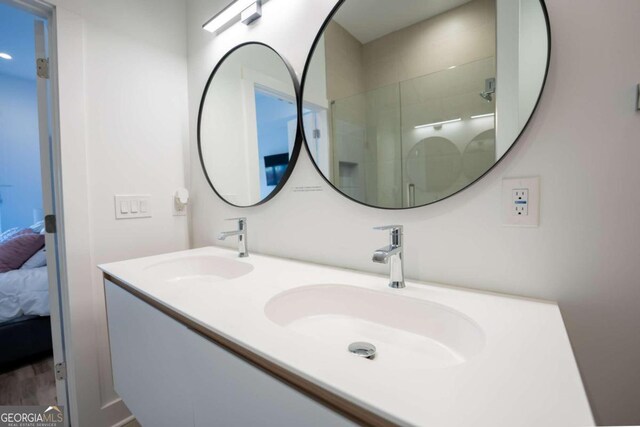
x=16, y=251
x=14, y=232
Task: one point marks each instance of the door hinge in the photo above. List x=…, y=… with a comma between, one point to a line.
x=50, y=223
x=42, y=66
x=316, y=134
x=61, y=371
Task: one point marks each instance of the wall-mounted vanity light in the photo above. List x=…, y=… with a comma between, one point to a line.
x=245, y=11
x=480, y=116
x=438, y=124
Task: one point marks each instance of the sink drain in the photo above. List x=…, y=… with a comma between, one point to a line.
x=363, y=349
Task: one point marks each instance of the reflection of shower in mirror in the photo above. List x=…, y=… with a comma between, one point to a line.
x=386, y=79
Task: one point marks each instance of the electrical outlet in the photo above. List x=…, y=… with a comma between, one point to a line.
x=521, y=200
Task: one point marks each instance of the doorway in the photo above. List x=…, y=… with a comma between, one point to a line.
x=276, y=124
x=32, y=362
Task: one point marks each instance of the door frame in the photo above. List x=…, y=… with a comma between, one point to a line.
x=251, y=81
x=51, y=167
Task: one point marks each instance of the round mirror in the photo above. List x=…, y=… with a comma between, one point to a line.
x=407, y=102
x=248, y=125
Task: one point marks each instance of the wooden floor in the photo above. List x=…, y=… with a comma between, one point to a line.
x=32, y=384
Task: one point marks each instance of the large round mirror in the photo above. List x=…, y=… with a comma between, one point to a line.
x=407, y=102
x=248, y=125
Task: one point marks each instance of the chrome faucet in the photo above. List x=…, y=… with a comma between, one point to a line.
x=241, y=232
x=392, y=255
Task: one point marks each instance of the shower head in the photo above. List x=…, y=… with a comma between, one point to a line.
x=487, y=96
x=489, y=89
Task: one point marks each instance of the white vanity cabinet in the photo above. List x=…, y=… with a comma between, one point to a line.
x=169, y=375
x=147, y=359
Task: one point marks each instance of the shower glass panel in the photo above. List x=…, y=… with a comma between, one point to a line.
x=417, y=141
x=441, y=159
x=367, y=155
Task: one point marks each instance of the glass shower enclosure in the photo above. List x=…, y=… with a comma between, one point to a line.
x=417, y=141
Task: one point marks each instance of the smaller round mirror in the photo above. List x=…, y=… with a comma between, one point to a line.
x=248, y=137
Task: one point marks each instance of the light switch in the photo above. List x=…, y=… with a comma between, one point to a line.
x=133, y=206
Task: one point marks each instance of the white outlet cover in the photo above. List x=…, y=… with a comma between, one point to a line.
x=509, y=216
x=177, y=212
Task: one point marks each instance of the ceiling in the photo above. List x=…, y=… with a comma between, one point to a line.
x=17, y=39
x=368, y=20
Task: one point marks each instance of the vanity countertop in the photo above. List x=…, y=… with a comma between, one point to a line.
x=516, y=366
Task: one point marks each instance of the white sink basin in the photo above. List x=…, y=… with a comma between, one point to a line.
x=197, y=269
x=407, y=332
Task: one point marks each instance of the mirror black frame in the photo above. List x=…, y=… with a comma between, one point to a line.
x=298, y=141
x=301, y=108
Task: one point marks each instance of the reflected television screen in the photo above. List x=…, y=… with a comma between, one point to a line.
x=275, y=166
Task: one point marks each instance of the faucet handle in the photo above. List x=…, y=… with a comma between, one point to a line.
x=393, y=228
x=242, y=222
x=395, y=234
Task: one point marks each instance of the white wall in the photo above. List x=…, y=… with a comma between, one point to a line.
x=123, y=114
x=532, y=51
x=522, y=47
x=20, y=185
x=583, y=143
x=507, y=97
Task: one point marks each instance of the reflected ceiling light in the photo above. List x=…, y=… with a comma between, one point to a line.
x=247, y=10
x=438, y=123
x=452, y=67
x=479, y=116
x=5, y=56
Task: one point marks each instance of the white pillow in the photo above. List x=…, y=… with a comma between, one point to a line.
x=38, y=227
x=39, y=259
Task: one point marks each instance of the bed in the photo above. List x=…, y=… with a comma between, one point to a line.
x=25, y=325
x=24, y=339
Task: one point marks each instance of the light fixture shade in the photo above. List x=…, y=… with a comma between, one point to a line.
x=232, y=13
x=251, y=13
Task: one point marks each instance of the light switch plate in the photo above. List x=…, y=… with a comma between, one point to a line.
x=521, y=202
x=132, y=206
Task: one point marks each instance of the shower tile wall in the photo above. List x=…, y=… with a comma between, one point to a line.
x=392, y=58
x=345, y=70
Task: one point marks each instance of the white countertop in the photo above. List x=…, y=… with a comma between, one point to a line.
x=525, y=374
